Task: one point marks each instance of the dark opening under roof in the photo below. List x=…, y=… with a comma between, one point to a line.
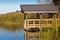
x=39, y=8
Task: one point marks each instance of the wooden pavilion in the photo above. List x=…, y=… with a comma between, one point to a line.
x=46, y=14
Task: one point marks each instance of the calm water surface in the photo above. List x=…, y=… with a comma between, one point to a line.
x=6, y=34
x=17, y=33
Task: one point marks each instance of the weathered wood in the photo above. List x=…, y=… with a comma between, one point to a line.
x=42, y=12
x=47, y=24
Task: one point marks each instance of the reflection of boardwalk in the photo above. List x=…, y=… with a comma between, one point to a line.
x=32, y=35
x=45, y=34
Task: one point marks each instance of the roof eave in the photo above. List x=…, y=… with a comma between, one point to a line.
x=41, y=12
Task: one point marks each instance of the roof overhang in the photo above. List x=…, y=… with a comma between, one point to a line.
x=40, y=8
x=41, y=12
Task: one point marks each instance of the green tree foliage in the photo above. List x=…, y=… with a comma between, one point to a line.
x=57, y=2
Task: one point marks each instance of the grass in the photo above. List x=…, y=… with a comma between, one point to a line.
x=13, y=18
x=12, y=21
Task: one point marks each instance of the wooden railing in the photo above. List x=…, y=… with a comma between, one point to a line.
x=39, y=22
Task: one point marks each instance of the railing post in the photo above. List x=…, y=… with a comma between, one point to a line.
x=40, y=27
x=55, y=28
x=26, y=20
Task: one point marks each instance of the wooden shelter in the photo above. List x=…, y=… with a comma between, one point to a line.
x=47, y=16
x=44, y=12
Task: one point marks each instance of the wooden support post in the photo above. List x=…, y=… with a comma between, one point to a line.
x=40, y=27
x=47, y=22
x=25, y=21
x=56, y=27
x=56, y=21
x=25, y=33
x=39, y=22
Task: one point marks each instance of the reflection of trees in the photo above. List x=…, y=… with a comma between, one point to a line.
x=11, y=27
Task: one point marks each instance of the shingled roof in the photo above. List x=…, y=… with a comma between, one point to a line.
x=39, y=8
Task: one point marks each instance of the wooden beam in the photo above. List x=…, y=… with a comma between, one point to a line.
x=56, y=11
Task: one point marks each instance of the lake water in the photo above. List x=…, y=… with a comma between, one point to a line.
x=9, y=34
x=17, y=33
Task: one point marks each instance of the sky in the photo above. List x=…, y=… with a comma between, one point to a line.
x=13, y=5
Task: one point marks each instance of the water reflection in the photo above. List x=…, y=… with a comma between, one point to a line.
x=32, y=35
x=18, y=33
x=44, y=34
x=11, y=33
x=11, y=27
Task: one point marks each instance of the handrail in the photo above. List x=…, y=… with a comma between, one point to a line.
x=42, y=22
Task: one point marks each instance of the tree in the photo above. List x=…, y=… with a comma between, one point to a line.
x=57, y=2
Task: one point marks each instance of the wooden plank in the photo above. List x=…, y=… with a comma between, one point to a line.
x=41, y=12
